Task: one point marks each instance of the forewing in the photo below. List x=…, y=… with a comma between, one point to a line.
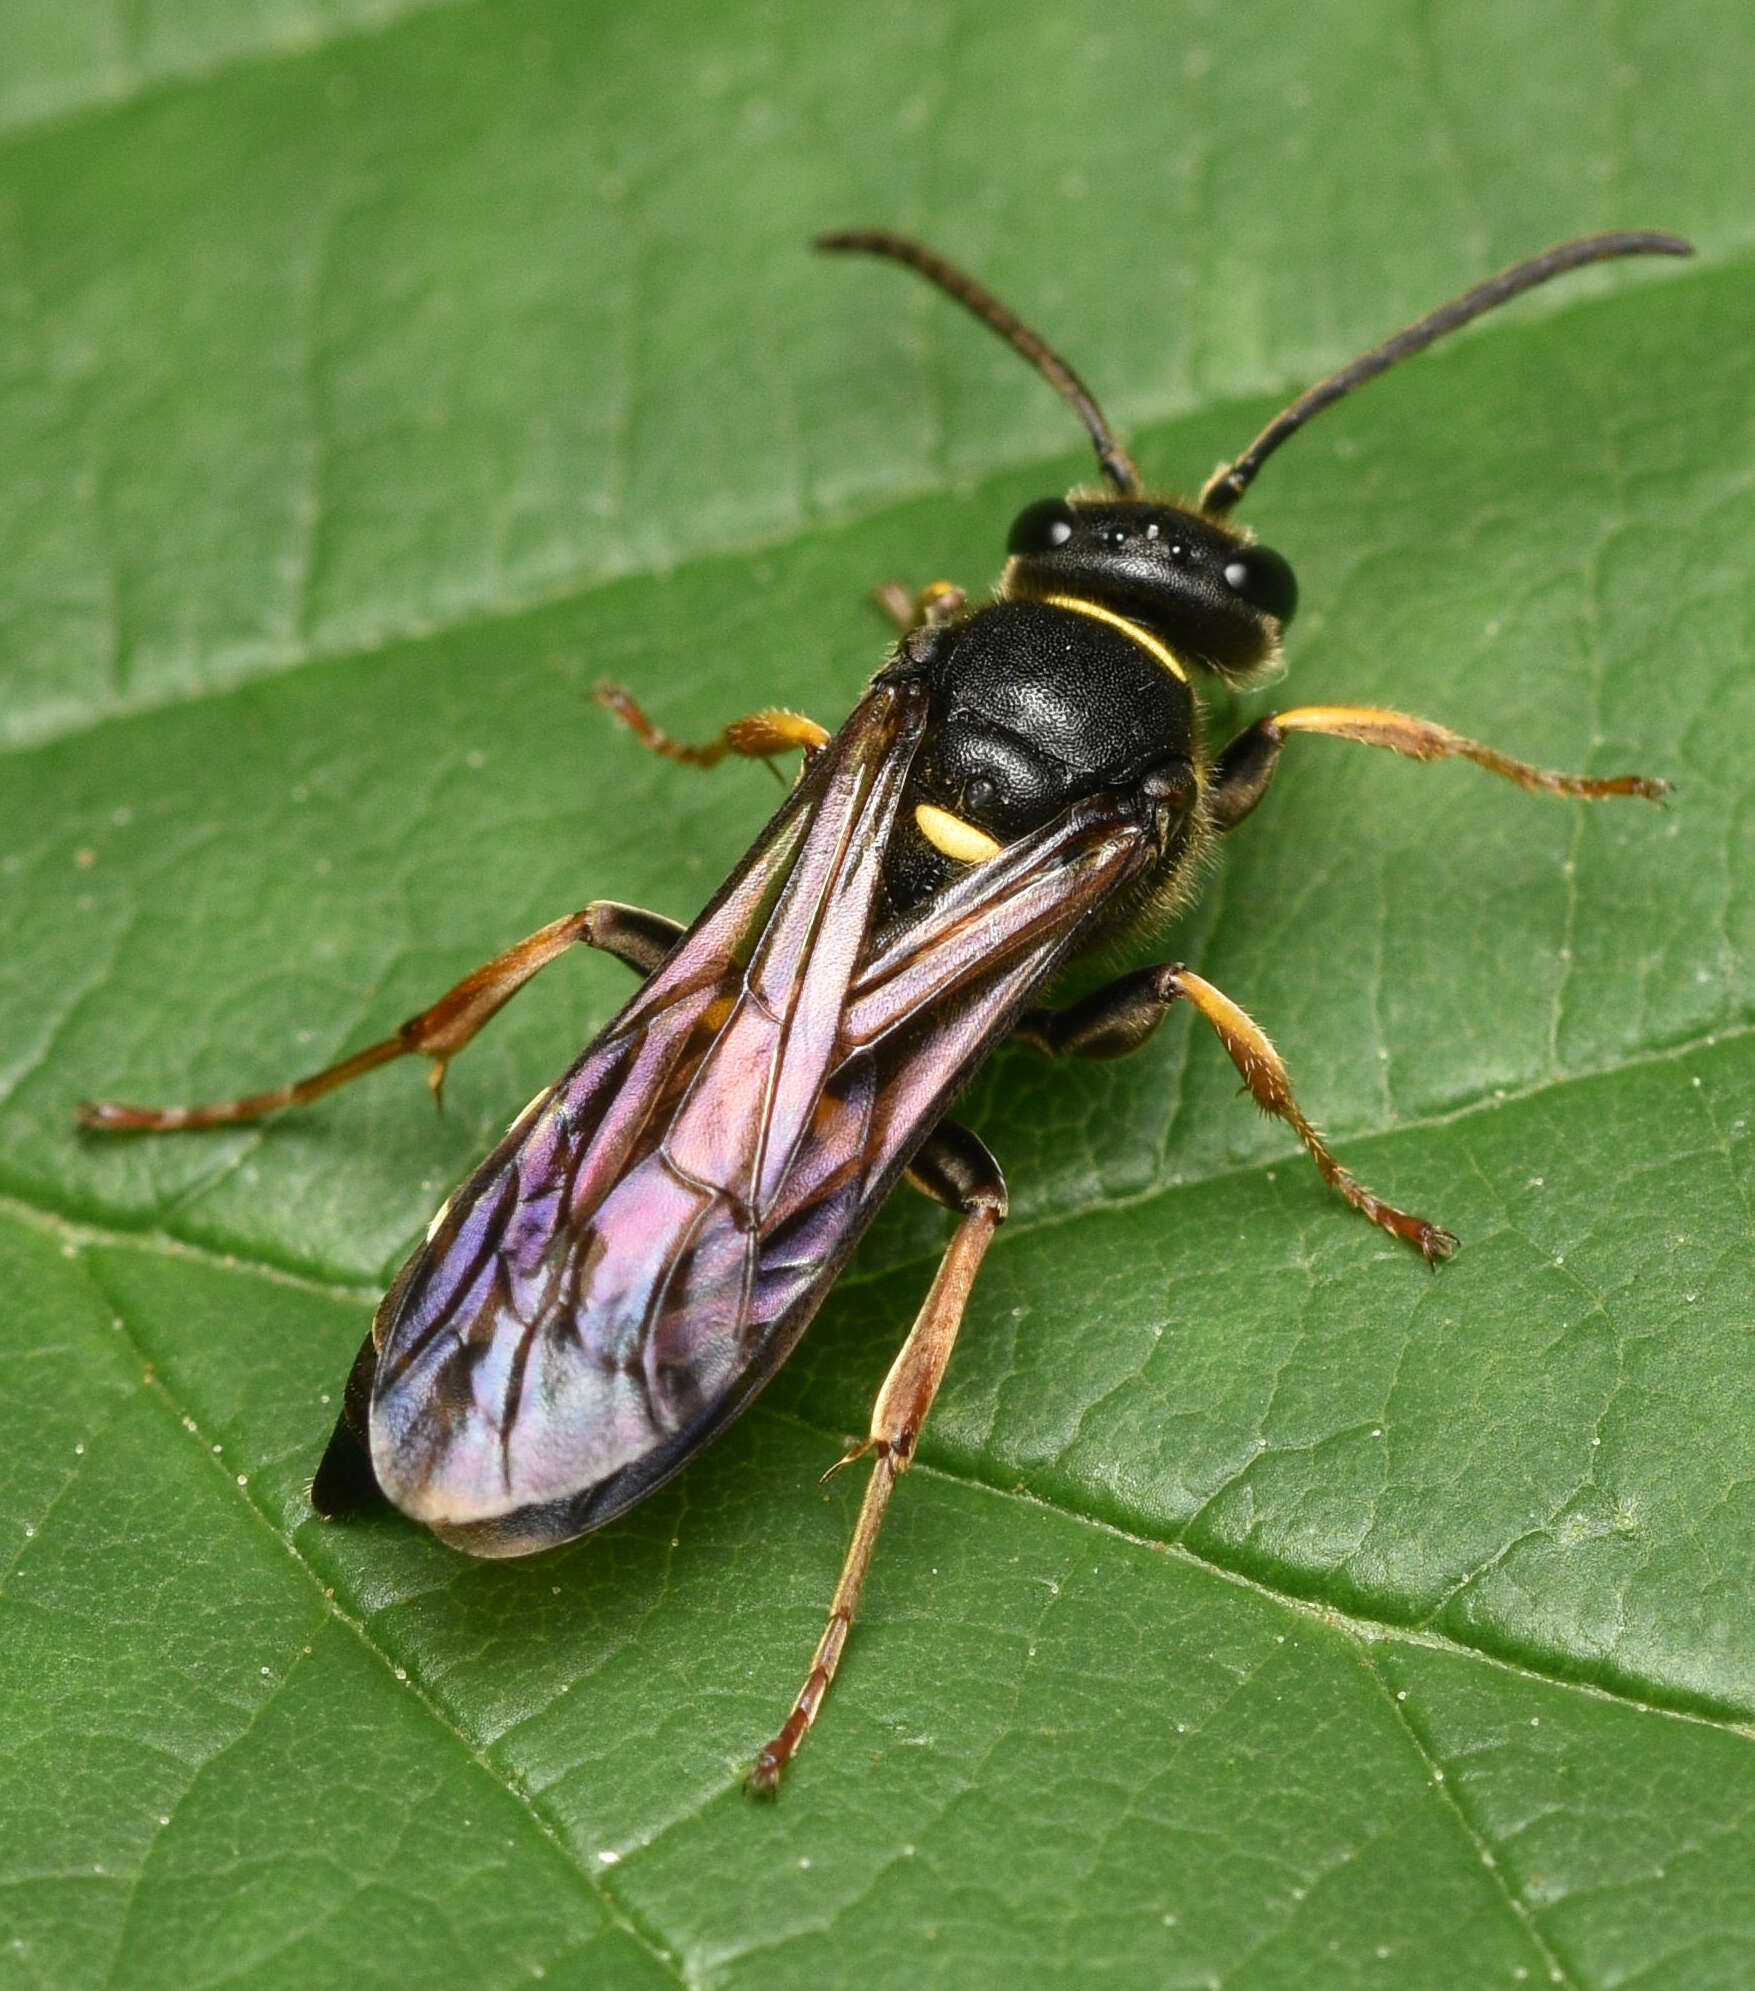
x=585, y=1298
x=945, y=987
x=644, y=1248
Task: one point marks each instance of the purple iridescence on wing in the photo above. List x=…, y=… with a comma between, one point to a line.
x=590, y=1291
x=644, y=1247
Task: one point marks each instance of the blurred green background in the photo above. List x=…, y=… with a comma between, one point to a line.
x=1265, y=1611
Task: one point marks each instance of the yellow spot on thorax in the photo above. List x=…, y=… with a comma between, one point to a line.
x=1143, y=637
x=956, y=838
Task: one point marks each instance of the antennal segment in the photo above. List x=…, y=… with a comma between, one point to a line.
x=1115, y=463
x=1229, y=482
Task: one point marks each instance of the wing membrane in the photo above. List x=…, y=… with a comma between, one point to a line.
x=644, y=1247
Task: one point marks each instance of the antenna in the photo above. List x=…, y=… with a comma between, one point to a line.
x=1229, y=482
x=1112, y=459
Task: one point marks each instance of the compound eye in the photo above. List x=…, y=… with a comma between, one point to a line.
x=1260, y=577
x=1041, y=527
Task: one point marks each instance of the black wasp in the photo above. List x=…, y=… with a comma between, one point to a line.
x=1025, y=778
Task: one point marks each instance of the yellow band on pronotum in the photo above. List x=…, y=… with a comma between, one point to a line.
x=1143, y=637
x=953, y=836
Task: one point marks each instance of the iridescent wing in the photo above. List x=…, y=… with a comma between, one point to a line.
x=637, y=1256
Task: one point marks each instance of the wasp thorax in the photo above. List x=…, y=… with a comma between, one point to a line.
x=1200, y=585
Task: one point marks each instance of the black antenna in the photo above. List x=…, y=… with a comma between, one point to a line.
x=1112, y=459
x=1229, y=482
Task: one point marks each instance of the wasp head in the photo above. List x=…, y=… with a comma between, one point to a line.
x=1199, y=584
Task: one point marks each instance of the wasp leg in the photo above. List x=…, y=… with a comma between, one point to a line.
x=641, y=939
x=756, y=736
x=1119, y=1017
x=953, y=1168
x=937, y=602
x=1243, y=771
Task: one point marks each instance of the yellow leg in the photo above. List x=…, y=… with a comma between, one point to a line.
x=1261, y=1068
x=954, y=1167
x=937, y=602
x=639, y=938
x=1424, y=739
x=757, y=736
x=1115, y=1020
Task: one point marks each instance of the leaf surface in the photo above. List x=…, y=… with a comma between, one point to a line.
x=1264, y=1610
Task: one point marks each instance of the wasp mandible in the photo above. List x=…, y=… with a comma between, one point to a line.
x=1026, y=778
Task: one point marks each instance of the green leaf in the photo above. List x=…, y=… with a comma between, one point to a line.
x=1264, y=1609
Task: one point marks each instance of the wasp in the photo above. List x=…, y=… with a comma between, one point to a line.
x=1025, y=780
